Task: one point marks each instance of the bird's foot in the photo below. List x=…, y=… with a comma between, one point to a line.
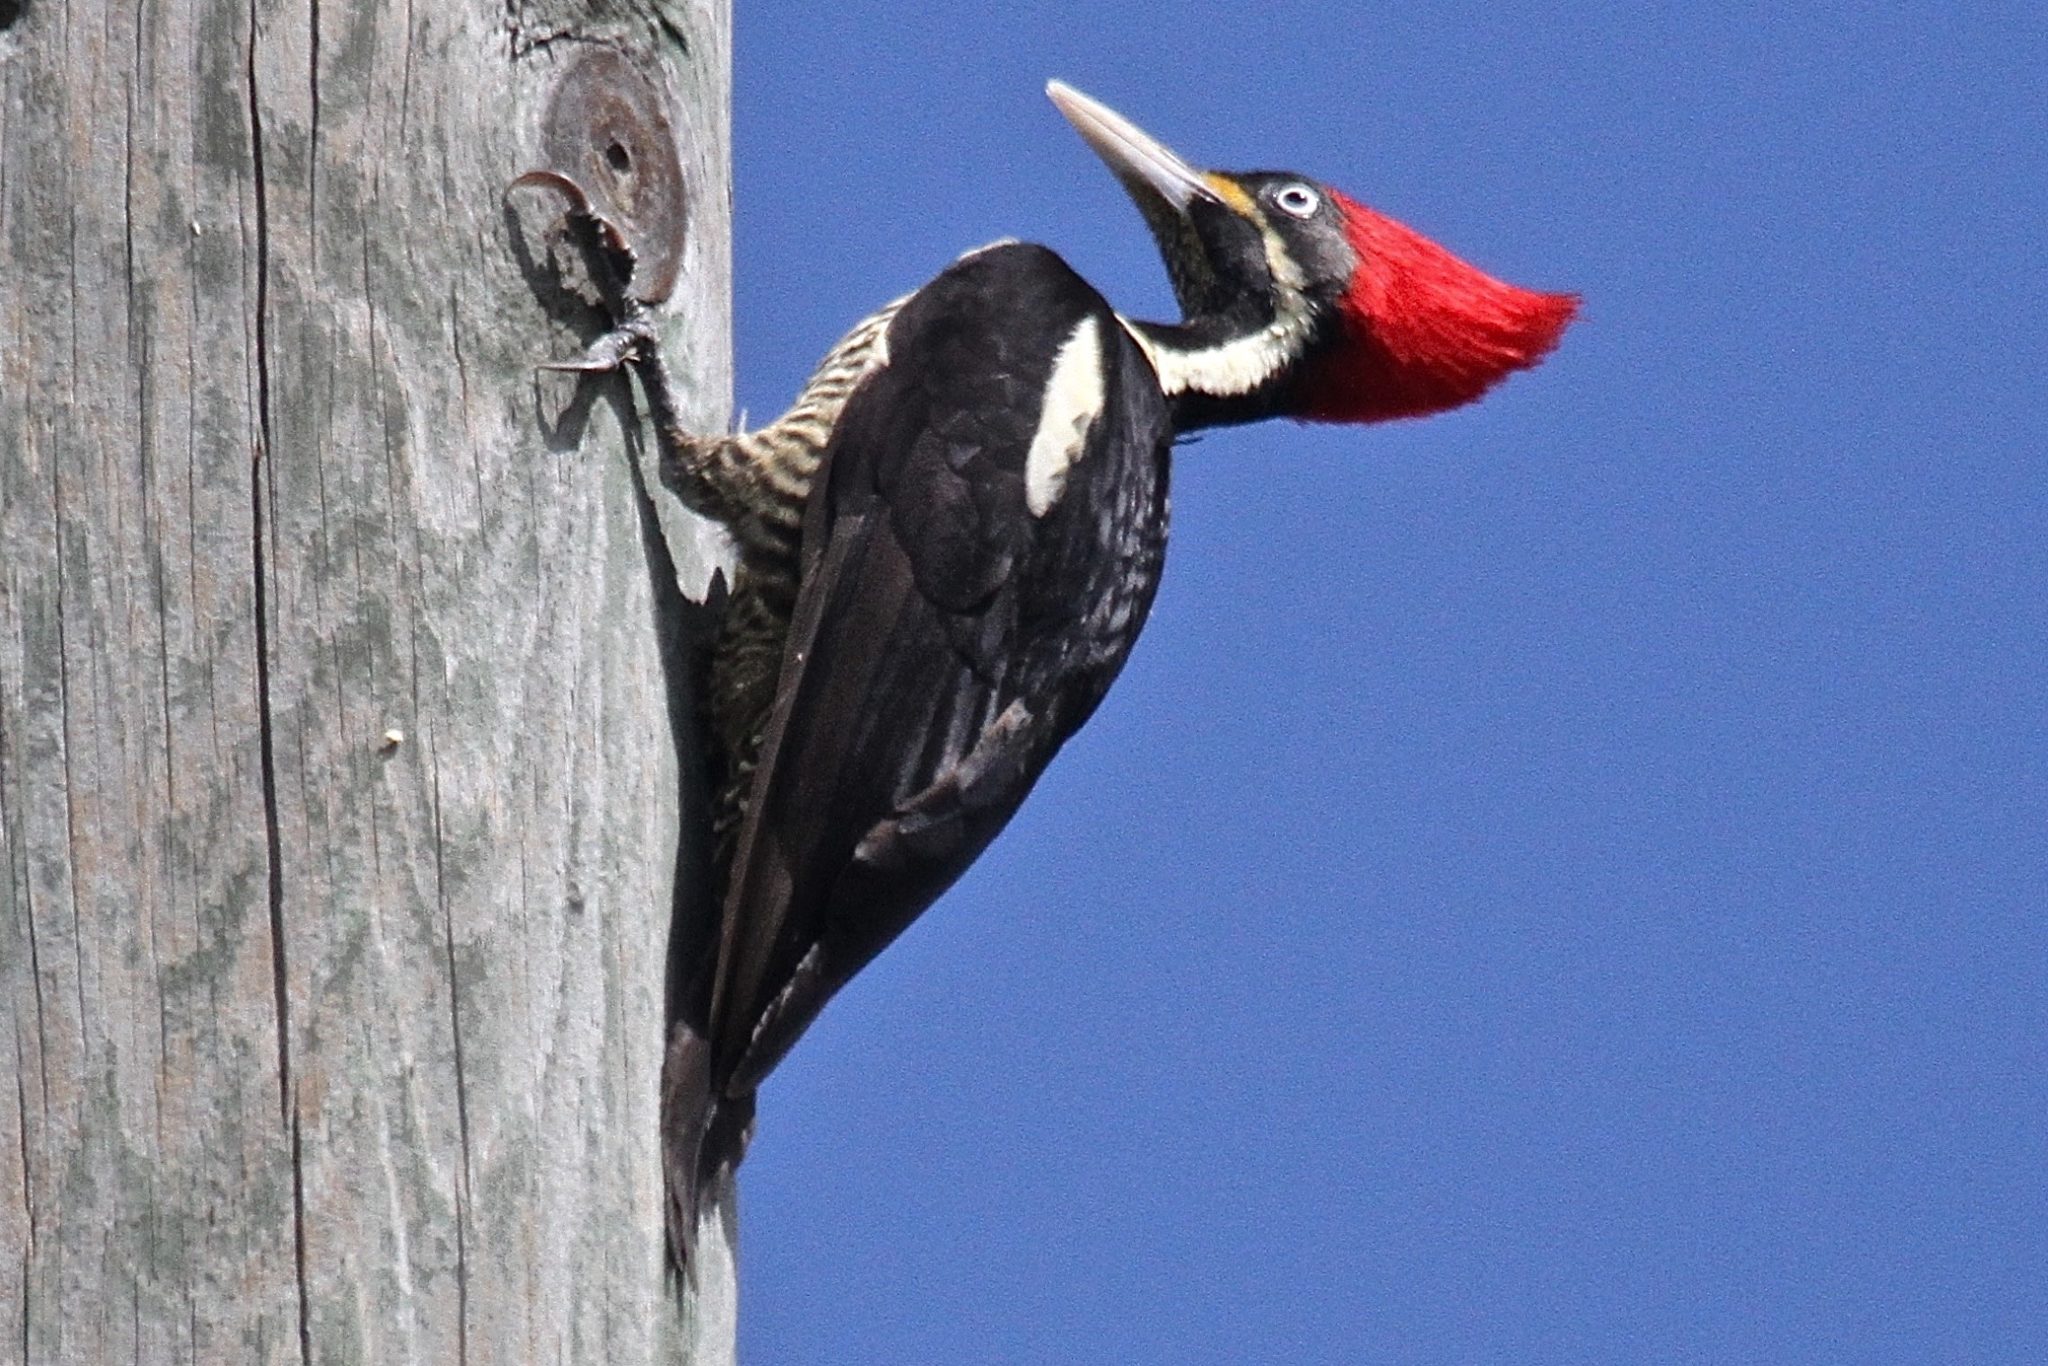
x=631, y=342
x=632, y=335
x=633, y=339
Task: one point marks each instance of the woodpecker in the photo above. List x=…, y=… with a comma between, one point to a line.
x=950, y=542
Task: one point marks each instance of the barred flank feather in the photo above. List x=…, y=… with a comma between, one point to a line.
x=757, y=483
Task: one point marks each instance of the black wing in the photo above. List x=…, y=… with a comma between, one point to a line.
x=948, y=637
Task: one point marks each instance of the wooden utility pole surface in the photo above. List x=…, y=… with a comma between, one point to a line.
x=340, y=728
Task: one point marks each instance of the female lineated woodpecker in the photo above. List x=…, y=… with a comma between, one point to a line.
x=949, y=544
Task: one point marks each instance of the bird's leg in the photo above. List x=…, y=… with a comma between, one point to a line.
x=706, y=471
x=757, y=482
x=690, y=462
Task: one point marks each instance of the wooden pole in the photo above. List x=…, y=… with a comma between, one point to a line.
x=343, y=699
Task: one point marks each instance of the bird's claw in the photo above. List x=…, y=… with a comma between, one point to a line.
x=632, y=340
x=610, y=237
x=632, y=337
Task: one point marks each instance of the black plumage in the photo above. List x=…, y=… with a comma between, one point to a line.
x=946, y=640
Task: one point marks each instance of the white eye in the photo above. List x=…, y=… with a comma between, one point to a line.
x=1298, y=200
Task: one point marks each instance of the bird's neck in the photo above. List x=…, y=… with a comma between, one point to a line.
x=1220, y=369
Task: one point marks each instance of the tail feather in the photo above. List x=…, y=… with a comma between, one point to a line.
x=701, y=1135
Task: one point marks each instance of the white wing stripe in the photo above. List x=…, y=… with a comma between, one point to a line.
x=1073, y=400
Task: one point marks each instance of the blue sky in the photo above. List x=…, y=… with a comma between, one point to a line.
x=1560, y=882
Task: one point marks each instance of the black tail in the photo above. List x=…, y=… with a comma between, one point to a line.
x=700, y=1134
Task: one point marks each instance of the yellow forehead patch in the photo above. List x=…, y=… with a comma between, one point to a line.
x=1233, y=193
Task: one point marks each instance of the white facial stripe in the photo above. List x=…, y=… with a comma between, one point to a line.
x=1234, y=368
x=1073, y=400
x=1286, y=274
x=1241, y=365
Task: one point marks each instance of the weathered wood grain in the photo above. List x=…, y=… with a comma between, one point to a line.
x=339, y=747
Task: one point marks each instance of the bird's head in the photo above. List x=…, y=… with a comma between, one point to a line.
x=1301, y=302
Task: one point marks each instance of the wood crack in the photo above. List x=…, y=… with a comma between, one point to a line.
x=28, y=1202
x=71, y=781
x=462, y=1191
x=299, y=1243
x=35, y=973
x=266, y=739
x=265, y=718
x=313, y=108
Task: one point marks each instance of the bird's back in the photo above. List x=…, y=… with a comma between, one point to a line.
x=979, y=555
